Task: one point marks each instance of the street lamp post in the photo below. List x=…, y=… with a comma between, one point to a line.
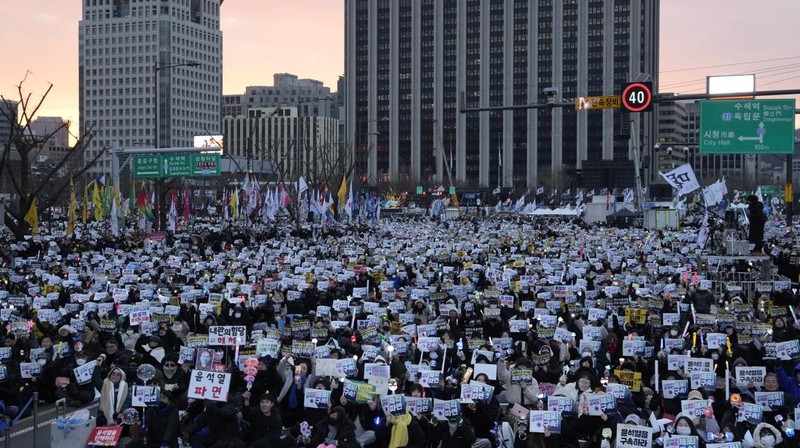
x=156, y=138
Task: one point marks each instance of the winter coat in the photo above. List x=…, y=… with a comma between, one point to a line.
x=789, y=385
x=163, y=426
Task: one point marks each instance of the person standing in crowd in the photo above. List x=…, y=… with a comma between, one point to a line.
x=757, y=219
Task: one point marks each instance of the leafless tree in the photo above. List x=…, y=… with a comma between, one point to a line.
x=29, y=181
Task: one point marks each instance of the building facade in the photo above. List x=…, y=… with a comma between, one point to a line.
x=294, y=145
x=407, y=63
x=310, y=96
x=144, y=61
x=8, y=119
x=56, y=127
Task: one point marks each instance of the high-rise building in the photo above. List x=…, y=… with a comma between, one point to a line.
x=293, y=145
x=309, y=96
x=408, y=62
x=147, y=59
x=55, y=127
x=8, y=117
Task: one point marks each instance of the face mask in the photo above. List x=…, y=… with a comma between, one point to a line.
x=715, y=356
x=583, y=385
x=237, y=315
x=129, y=331
x=80, y=361
x=768, y=441
x=673, y=333
x=683, y=430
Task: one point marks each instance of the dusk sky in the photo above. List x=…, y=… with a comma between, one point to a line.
x=306, y=38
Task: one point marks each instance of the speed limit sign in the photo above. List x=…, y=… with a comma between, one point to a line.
x=637, y=96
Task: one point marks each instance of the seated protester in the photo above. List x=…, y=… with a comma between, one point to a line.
x=295, y=379
x=114, y=356
x=78, y=395
x=684, y=426
x=264, y=424
x=130, y=335
x=514, y=393
x=771, y=384
x=767, y=436
x=173, y=379
x=335, y=430
x=781, y=332
x=405, y=431
x=367, y=418
x=216, y=425
x=114, y=398
x=169, y=340
x=454, y=432
x=152, y=352
x=708, y=422
x=163, y=424
x=482, y=415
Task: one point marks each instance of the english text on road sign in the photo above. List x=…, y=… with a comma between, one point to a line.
x=747, y=126
x=148, y=166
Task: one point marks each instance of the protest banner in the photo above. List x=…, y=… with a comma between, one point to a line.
x=630, y=378
x=394, y=404
x=675, y=389
x=600, y=403
x=633, y=436
x=29, y=369
x=83, y=374
x=675, y=441
x=228, y=335
x=694, y=408
x=703, y=380
x=357, y=391
x=564, y=405
x=105, y=436
x=745, y=375
x=316, y=398
x=143, y=396
x=444, y=409
x=769, y=400
x=538, y=421
x=209, y=385
x=698, y=365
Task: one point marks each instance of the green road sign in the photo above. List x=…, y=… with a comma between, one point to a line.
x=747, y=126
x=149, y=166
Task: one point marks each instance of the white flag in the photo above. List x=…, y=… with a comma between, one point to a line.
x=540, y=190
x=301, y=185
x=682, y=179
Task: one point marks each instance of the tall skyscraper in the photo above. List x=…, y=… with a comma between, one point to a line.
x=139, y=56
x=407, y=63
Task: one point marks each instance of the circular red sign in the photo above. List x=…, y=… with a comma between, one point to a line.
x=636, y=97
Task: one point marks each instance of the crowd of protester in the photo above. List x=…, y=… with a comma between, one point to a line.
x=478, y=324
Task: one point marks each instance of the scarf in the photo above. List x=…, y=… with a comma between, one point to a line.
x=111, y=405
x=293, y=403
x=400, y=430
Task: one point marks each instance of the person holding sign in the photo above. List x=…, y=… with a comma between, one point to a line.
x=295, y=379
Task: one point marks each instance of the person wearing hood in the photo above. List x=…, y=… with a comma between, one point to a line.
x=781, y=332
x=163, y=424
x=173, y=379
x=335, y=430
x=130, y=336
x=114, y=398
x=515, y=393
x=152, y=352
x=767, y=436
x=790, y=385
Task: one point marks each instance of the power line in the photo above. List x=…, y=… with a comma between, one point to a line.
x=728, y=65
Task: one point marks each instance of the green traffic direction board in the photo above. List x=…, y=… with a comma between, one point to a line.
x=149, y=166
x=747, y=126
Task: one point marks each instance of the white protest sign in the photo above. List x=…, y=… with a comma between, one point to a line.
x=144, y=396
x=209, y=385
x=316, y=398
x=746, y=375
x=633, y=436
x=83, y=374
x=227, y=335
